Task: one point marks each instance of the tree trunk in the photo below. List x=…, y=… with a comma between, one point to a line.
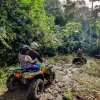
x=92, y=7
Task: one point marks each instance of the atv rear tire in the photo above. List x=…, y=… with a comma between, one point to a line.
x=12, y=83
x=35, y=90
x=84, y=61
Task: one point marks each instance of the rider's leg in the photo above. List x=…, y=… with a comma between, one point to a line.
x=34, y=67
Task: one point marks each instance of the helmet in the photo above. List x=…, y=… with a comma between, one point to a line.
x=34, y=45
x=24, y=49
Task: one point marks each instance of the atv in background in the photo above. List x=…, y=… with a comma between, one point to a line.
x=34, y=80
x=97, y=55
x=79, y=60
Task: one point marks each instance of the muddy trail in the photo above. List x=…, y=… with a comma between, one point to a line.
x=63, y=81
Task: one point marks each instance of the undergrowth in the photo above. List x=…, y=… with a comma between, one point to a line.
x=52, y=60
x=88, y=82
x=3, y=76
x=68, y=95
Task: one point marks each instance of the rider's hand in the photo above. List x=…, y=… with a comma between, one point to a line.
x=43, y=60
x=35, y=60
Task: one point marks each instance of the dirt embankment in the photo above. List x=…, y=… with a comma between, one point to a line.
x=63, y=82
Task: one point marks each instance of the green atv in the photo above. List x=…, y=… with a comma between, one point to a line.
x=35, y=80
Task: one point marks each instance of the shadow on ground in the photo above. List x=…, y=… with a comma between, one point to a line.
x=18, y=94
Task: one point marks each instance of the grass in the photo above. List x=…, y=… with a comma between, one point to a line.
x=88, y=82
x=93, y=68
x=68, y=95
x=52, y=60
x=3, y=77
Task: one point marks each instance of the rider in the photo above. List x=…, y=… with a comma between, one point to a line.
x=80, y=53
x=25, y=61
x=35, y=56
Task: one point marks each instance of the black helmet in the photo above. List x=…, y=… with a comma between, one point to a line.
x=24, y=49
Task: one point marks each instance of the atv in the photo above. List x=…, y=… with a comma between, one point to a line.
x=35, y=80
x=97, y=56
x=79, y=60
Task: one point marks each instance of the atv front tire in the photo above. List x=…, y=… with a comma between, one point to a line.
x=52, y=77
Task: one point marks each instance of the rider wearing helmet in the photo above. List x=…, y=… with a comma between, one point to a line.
x=25, y=60
x=35, y=56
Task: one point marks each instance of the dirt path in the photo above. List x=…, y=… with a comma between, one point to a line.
x=64, y=73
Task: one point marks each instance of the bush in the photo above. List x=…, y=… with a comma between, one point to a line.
x=95, y=51
x=3, y=77
x=63, y=49
x=48, y=51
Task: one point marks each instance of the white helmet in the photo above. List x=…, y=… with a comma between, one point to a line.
x=34, y=45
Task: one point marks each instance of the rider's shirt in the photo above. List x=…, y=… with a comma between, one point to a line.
x=79, y=54
x=34, y=55
x=23, y=63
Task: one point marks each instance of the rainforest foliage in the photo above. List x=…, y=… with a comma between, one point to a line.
x=57, y=28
